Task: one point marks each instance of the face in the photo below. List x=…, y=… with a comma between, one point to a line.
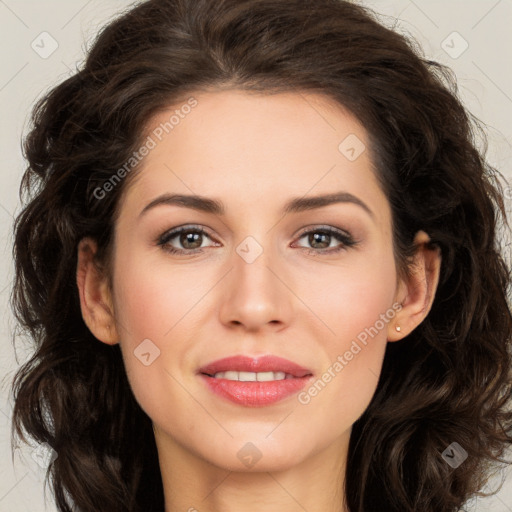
x=314, y=284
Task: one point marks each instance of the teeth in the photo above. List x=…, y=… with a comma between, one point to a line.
x=252, y=376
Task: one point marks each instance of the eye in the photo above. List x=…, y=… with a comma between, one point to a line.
x=189, y=237
x=321, y=239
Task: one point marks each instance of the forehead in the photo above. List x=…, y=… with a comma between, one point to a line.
x=255, y=147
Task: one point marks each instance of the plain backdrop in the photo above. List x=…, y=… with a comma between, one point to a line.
x=42, y=41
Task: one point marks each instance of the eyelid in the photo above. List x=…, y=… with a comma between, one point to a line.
x=344, y=237
x=175, y=231
x=323, y=227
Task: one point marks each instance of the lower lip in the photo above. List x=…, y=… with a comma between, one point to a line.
x=255, y=394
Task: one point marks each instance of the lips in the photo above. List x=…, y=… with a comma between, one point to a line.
x=248, y=364
x=254, y=382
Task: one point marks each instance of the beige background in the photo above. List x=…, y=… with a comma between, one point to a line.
x=485, y=80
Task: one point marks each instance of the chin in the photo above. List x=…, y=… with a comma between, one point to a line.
x=258, y=455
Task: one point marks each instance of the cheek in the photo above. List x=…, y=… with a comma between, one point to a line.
x=351, y=298
x=152, y=296
x=151, y=304
x=356, y=308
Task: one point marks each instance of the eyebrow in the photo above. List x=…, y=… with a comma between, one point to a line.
x=295, y=205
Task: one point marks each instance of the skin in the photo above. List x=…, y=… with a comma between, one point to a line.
x=254, y=153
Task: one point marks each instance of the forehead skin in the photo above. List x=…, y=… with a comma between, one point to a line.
x=253, y=150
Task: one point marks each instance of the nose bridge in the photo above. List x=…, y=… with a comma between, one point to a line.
x=253, y=261
x=255, y=295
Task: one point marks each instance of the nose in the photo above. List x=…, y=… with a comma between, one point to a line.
x=255, y=294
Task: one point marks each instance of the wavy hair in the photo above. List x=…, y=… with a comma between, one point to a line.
x=448, y=380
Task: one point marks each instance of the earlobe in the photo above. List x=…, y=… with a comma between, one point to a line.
x=416, y=294
x=95, y=298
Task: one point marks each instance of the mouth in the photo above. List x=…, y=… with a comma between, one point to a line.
x=245, y=368
x=252, y=376
x=254, y=382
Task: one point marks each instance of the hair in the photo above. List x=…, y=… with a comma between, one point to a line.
x=448, y=381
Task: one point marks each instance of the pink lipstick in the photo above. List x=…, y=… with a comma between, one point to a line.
x=254, y=382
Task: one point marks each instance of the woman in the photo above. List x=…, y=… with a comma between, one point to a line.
x=260, y=265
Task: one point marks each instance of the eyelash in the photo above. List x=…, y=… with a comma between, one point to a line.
x=345, y=238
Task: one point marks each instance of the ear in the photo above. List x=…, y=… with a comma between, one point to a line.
x=95, y=297
x=416, y=293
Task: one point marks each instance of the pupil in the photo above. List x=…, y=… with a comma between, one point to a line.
x=316, y=237
x=185, y=238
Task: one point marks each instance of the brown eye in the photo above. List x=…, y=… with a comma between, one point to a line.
x=320, y=240
x=189, y=238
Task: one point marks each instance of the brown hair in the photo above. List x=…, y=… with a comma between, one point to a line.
x=449, y=380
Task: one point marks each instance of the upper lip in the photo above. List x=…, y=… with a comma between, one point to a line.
x=267, y=363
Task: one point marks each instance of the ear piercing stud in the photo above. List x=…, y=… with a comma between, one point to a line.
x=397, y=328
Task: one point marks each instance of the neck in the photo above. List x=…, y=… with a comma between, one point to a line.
x=192, y=484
